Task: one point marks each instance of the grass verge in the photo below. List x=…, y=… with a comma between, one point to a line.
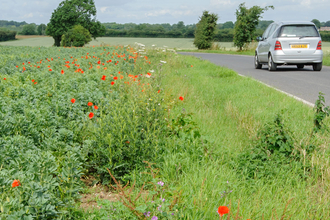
x=229, y=111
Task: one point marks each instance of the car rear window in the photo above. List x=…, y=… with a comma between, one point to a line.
x=298, y=31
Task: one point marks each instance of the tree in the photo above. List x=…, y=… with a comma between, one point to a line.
x=73, y=12
x=246, y=23
x=227, y=25
x=78, y=36
x=41, y=29
x=327, y=24
x=205, y=30
x=29, y=29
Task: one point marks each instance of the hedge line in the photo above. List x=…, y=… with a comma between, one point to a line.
x=325, y=35
x=7, y=35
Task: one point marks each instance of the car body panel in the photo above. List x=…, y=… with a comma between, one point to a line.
x=298, y=40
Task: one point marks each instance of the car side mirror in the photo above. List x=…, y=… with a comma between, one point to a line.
x=259, y=39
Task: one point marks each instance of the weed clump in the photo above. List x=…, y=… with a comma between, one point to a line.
x=271, y=153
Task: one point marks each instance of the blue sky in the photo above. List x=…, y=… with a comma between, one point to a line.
x=168, y=11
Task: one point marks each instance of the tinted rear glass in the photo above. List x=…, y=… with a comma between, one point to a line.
x=298, y=31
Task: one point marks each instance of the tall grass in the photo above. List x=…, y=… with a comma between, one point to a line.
x=229, y=110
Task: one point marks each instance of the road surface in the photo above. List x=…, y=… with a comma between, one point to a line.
x=304, y=83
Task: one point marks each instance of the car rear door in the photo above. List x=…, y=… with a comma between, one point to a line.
x=299, y=40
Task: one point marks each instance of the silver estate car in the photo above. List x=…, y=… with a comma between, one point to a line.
x=289, y=43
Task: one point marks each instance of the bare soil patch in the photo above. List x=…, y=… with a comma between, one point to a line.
x=19, y=37
x=95, y=192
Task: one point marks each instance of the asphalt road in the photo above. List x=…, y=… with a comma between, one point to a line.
x=304, y=83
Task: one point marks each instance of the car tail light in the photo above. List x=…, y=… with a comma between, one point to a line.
x=319, y=46
x=278, y=46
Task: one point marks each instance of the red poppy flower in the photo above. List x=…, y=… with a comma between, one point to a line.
x=112, y=83
x=115, y=78
x=181, y=98
x=24, y=68
x=16, y=66
x=223, y=210
x=38, y=66
x=191, y=65
x=95, y=107
x=91, y=115
x=33, y=80
x=103, y=77
x=89, y=103
x=50, y=70
x=73, y=100
x=99, y=62
x=4, y=78
x=149, y=74
x=15, y=183
x=62, y=71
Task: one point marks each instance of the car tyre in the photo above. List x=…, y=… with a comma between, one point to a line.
x=257, y=64
x=317, y=66
x=271, y=65
x=300, y=66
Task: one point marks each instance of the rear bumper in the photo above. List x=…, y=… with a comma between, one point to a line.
x=280, y=58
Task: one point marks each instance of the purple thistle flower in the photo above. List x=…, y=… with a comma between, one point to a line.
x=154, y=218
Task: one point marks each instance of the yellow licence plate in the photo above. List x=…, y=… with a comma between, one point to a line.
x=299, y=46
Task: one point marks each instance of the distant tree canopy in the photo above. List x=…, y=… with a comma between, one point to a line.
x=150, y=30
x=7, y=35
x=247, y=20
x=73, y=12
x=205, y=30
x=326, y=24
x=41, y=29
x=29, y=29
x=317, y=23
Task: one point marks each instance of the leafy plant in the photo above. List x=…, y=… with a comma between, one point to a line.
x=205, y=30
x=321, y=112
x=271, y=153
x=70, y=13
x=78, y=36
x=247, y=20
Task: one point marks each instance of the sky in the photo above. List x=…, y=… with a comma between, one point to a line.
x=168, y=11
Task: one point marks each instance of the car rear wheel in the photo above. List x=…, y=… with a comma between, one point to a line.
x=317, y=66
x=271, y=65
x=300, y=66
x=257, y=65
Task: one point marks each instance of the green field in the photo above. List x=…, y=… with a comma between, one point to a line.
x=173, y=43
x=216, y=138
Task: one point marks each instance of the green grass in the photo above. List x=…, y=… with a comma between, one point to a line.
x=229, y=110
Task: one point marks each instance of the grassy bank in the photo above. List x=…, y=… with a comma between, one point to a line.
x=229, y=111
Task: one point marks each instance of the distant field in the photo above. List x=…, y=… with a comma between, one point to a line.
x=177, y=43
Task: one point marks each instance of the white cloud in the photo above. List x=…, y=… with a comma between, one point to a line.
x=30, y=15
x=103, y=9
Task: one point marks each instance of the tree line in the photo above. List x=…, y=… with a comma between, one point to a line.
x=80, y=22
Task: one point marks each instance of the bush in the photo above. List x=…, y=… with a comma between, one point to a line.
x=7, y=35
x=78, y=36
x=272, y=153
x=205, y=30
